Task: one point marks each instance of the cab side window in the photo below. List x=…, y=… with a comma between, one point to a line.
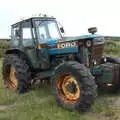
x=26, y=34
x=15, y=41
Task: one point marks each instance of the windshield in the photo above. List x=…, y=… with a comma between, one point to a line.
x=47, y=30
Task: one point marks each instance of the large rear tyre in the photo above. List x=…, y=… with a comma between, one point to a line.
x=74, y=86
x=16, y=73
x=116, y=84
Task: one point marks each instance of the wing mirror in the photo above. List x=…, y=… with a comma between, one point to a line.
x=62, y=30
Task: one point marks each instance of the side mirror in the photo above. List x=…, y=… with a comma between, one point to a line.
x=17, y=33
x=62, y=30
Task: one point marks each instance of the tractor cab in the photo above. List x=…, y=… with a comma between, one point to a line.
x=34, y=36
x=37, y=30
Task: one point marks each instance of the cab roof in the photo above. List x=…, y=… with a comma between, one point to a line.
x=33, y=18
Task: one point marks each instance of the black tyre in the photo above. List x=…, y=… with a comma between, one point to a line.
x=16, y=73
x=74, y=86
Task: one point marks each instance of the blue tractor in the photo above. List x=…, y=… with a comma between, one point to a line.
x=74, y=65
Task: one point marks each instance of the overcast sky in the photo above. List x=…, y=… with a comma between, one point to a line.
x=75, y=15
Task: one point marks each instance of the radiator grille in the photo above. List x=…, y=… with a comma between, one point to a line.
x=97, y=52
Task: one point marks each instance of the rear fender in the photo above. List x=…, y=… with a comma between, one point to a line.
x=111, y=59
x=114, y=60
x=20, y=53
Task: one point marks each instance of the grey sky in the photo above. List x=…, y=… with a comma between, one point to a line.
x=75, y=15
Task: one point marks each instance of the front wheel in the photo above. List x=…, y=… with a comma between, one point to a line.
x=74, y=86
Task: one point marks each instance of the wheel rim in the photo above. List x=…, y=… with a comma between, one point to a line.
x=69, y=88
x=12, y=84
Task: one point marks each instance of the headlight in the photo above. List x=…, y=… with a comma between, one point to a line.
x=88, y=43
x=67, y=44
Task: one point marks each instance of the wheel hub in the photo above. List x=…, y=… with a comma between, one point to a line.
x=69, y=87
x=13, y=80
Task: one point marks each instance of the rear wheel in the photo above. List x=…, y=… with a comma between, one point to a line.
x=116, y=84
x=74, y=86
x=16, y=73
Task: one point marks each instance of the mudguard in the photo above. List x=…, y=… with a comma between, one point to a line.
x=20, y=53
x=111, y=59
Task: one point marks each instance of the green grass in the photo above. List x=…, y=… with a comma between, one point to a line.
x=39, y=104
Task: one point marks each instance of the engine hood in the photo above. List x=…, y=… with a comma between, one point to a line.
x=73, y=38
x=54, y=50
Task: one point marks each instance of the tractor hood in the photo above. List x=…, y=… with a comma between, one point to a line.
x=61, y=44
x=72, y=38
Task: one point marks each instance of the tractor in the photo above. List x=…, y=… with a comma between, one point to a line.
x=75, y=66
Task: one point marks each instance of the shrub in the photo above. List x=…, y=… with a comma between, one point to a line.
x=4, y=45
x=112, y=48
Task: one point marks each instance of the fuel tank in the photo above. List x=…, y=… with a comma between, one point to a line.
x=107, y=74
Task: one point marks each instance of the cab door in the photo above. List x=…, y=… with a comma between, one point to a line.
x=47, y=35
x=28, y=43
x=42, y=45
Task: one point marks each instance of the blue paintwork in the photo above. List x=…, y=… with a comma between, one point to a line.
x=65, y=39
x=56, y=51
x=82, y=37
x=51, y=42
x=91, y=36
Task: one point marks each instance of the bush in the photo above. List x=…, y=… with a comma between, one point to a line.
x=112, y=48
x=4, y=45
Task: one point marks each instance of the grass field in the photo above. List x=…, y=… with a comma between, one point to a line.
x=39, y=104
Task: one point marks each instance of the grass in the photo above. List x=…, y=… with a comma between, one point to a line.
x=39, y=104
